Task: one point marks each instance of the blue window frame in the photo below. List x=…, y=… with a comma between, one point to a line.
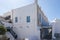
x=16, y=19
x=28, y=18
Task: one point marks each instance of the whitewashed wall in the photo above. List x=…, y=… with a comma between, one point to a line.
x=6, y=24
x=55, y=27
x=22, y=28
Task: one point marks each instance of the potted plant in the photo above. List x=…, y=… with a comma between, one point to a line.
x=2, y=32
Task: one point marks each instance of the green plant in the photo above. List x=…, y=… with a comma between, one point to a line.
x=2, y=30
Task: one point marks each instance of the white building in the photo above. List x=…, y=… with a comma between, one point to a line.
x=55, y=27
x=27, y=21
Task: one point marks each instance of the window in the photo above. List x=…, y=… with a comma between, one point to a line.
x=28, y=18
x=16, y=19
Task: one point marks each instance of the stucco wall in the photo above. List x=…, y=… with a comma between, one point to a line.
x=22, y=28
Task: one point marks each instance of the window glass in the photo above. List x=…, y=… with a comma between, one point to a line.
x=16, y=19
x=28, y=18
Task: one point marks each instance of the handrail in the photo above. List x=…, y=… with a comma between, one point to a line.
x=12, y=32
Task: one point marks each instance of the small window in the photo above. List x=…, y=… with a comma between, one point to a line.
x=16, y=19
x=28, y=18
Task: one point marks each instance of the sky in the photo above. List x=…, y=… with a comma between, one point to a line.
x=51, y=8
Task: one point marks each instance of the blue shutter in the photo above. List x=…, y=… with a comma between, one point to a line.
x=16, y=19
x=28, y=18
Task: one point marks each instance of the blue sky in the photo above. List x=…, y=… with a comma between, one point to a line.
x=51, y=8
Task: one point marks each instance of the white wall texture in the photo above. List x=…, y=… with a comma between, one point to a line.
x=55, y=27
x=22, y=28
